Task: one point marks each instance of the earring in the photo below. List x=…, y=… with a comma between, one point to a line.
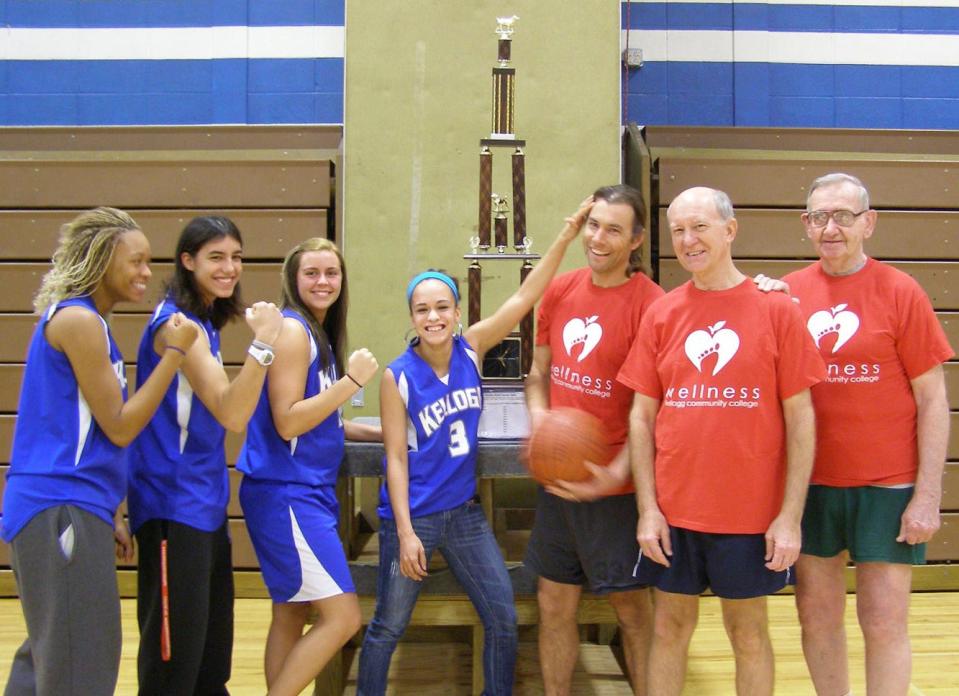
x=459, y=330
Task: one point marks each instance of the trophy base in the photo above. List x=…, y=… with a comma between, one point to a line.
x=502, y=139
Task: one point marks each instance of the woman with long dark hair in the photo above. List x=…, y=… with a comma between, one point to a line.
x=178, y=488
x=293, y=451
x=430, y=405
x=67, y=471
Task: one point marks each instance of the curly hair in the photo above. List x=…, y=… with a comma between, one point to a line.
x=83, y=255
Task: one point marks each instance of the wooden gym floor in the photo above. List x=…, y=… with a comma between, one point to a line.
x=444, y=668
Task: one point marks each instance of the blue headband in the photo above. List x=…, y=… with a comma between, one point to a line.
x=431, y=275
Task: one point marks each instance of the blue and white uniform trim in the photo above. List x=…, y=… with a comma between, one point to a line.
x=60, y=455
x=178, y=463
x=442, y=425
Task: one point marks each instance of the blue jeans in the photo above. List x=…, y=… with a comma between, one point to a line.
x=467, y=543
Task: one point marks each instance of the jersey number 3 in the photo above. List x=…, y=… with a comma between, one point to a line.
x=459, y=444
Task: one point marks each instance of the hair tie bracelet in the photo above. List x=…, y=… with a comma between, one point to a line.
x=353, y=380
x=432, y=275
x=167, y=346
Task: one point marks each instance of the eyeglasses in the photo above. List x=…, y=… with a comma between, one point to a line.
x=843, y=218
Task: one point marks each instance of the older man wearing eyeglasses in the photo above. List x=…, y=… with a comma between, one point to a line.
x=882, y=426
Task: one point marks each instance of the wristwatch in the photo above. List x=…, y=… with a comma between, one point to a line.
x=261, y=352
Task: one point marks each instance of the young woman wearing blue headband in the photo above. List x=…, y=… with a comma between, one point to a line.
x=430, y=404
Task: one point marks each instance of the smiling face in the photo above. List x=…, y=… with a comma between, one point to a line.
x=608, y=240
x=434, y=312
x=127, y=275
x=702, y=239
x=216, y=268
x=839, y=247
x=318, y=281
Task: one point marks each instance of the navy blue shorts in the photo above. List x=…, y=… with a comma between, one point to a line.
x=731, y=565
x=293, y=530
x=590, y=544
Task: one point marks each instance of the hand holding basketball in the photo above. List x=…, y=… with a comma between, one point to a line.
x=561, y=441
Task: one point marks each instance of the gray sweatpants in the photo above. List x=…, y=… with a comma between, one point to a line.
x=66, y=577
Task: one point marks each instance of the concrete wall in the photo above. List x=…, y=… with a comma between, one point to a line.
x=418, y=102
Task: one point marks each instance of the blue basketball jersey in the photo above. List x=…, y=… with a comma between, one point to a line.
x=442, y=425
x=60, y=455
x=177, y=465
x=312, y=458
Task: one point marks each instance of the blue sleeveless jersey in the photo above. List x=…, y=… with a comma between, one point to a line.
x=312, y=458
x=60, y=455
x=442, y=426
x=177, y=465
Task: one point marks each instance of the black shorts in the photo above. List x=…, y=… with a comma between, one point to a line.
x=733, y=566
x=590, y=544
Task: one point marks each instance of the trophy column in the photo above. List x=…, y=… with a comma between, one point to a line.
x=512, y=359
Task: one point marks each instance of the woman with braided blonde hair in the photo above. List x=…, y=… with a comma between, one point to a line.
x=67, y=470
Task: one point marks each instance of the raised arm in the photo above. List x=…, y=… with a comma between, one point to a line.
x=784, y=536
x=231, y=403
x=485, y=334
x=652, y=531
x=294, y=415
x=921, y=519
x=80, y=335
x=393, y=416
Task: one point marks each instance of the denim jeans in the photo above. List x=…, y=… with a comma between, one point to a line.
x=467, y=543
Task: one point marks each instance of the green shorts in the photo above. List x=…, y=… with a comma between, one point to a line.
x=865, y=520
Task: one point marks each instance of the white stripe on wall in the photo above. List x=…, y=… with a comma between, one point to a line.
x=796, y=47
x=178, y=43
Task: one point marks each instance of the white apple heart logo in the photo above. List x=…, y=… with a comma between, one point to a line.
x=723, y=342
x=837, y=320
x=586, y=332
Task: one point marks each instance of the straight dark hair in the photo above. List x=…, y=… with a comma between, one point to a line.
x=623, y=193
x=332, y=332
x=182, y=286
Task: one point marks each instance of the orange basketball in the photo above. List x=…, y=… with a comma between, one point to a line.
x=561, y=441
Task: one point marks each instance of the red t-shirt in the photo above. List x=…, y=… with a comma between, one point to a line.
x=876, y=329
x=721, y=363
x=589, y=331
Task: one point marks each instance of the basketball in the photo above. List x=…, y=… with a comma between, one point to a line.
x=561, y=441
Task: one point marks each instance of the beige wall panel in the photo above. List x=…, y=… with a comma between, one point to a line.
x=906, y=182
x=269, y=233
x=814, y=139
x=127, y=328
x=939, y=279
x=10, y=376
x=900, y=234
x=950, y=487
x=414, y=118
x=945, y=545
x=87, y=180
x=260, y=281
x=951, y=370
x=170, y=138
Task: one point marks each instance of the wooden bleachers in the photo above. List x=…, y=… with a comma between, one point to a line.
x=276, y=183
x=912, y=178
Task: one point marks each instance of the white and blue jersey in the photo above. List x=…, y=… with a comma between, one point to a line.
x=288, y=495
x=60, y=455
x=177, y=465
x=312, y=458
x=442, y=425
